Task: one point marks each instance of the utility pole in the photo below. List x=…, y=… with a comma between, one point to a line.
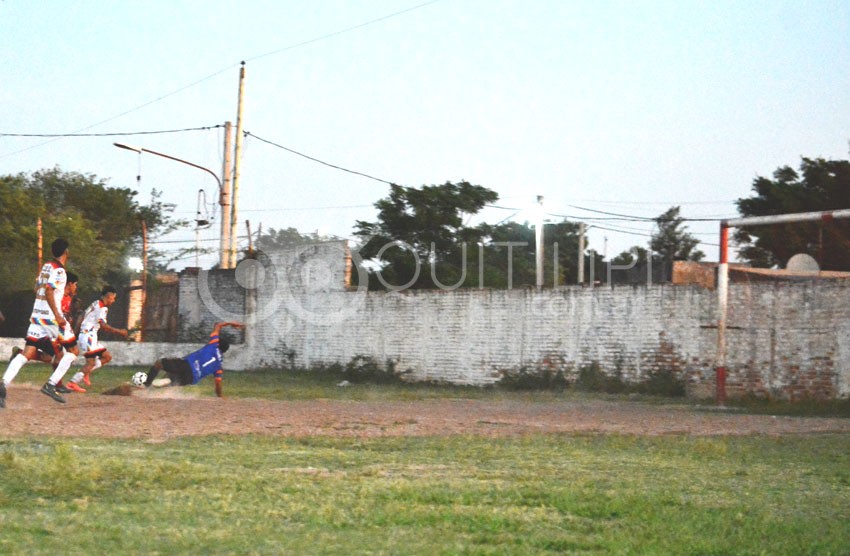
x=237, y=163
x=40, y=244
x=224, y=200
x=144, y=279
x=538, y=237
x=580, y=253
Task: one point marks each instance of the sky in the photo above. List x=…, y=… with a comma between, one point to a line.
x=600, y=107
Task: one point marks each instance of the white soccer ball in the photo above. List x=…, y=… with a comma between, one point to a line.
x=139, y=378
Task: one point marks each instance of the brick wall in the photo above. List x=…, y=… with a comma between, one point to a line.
x=787, y=341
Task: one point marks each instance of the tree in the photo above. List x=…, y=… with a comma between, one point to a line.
x=523, y=264
x=289, y=237
x=102, y=223
x=820, y=185
x=413, y=220
x=672, y=242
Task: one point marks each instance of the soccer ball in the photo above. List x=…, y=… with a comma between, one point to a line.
x=139, y=378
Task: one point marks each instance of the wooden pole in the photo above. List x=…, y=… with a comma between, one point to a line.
x=237, y=165
x=224, y=200
x=40, y=244
x=144, y=278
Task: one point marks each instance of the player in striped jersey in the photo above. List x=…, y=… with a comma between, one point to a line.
x=46, y=322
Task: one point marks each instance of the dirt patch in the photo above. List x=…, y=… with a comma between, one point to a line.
x=172, y=412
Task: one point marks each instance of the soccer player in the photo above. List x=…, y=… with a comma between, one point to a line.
x=195, y=366
x=96, y=355
x=67, y=339
x=45, y=323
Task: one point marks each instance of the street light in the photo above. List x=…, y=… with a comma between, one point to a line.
x=200, y=222
x=140, y=150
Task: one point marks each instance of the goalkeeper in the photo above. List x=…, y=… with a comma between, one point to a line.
x=195, y=366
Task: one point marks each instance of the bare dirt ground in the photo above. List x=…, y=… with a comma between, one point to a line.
x=169, y=413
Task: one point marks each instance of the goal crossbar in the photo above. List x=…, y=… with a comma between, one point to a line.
x=723, y=277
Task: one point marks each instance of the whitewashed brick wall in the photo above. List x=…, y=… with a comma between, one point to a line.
x=785, y=340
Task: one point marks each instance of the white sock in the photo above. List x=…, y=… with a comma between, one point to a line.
x=77, y=377
x=97, y=364
x=63, y=367
x=13, y=368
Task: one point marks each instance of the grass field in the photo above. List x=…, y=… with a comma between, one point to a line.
x=538, y=494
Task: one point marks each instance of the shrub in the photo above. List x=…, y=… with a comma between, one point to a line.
x=533, y=379
x=592, y=378
x=363, y=368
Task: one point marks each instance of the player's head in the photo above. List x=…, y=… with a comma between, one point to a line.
x=223, y=343
x=59, y=247
x=71, y=286
x=107, y=295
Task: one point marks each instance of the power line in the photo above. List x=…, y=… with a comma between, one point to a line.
x=249, y=134
x=216, y=73
x=110, y=134
x=342, y=31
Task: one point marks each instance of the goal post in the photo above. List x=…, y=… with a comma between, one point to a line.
x=723, y=277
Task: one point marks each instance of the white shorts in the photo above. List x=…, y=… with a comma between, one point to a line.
x=38, y=330
x=89, y=345
x=67, y=336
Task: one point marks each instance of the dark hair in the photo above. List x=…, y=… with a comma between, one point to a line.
x=58, y=247
x=107, y=289
x=72, y=278
x=223, y=343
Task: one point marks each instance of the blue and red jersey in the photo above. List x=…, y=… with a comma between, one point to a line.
x=206, y=361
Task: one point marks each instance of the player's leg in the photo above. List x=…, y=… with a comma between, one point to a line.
x=29, y=352
x=153, y=371
x=66, y=337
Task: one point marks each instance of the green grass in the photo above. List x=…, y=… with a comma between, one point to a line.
x=459, y=495
x=537, y=494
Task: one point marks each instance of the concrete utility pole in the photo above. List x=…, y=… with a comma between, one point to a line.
x=224, y=199
x=580, y=253
x=237, y=164
x=538, y=237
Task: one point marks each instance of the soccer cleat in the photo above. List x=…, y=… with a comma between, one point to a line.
x=15, y=351
x=74, y=387
x=2, y=394
x=86, y=378
x=50, y=390
x=62, y=389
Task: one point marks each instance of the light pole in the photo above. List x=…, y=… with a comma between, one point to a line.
x=140, y=150
x=200, y=222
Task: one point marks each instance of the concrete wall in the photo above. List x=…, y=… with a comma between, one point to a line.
x=785, y=340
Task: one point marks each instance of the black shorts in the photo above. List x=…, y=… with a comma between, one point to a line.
x=178, y=370
x=43, y=345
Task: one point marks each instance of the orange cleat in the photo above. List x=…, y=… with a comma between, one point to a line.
x=86, y=378
x=74, y=387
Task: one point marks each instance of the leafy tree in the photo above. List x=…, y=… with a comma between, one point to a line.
x=820, y=185
x=671, y=241
x=288, y=237
x=411, y=221
x=102, y=223
x=523, y=271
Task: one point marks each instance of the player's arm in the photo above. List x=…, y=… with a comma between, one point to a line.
x=218, y=376
x=120, y=331
x=219, y=325
x=51, y=302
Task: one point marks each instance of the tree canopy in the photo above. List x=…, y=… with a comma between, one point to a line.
x=411, y=221
x=820, y=185
x=102, y=224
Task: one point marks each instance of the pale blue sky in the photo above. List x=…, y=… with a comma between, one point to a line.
x=626, y=107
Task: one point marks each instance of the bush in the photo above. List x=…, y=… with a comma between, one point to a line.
x=533, y=379
x=663, y=383
x=593, y=379
x=363, y=368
